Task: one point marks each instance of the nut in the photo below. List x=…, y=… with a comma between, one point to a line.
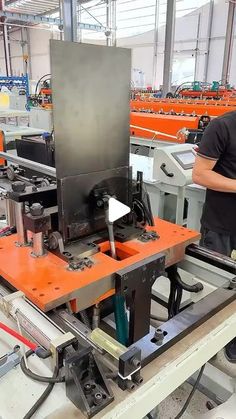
x=36, y=209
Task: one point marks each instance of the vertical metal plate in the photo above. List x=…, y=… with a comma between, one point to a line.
x=90, y=85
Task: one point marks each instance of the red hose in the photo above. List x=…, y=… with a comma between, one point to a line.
x=19, y=337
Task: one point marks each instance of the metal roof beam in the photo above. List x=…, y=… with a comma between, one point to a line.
x=28, y=18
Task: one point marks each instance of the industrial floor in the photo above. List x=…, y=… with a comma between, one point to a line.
x=172, y=405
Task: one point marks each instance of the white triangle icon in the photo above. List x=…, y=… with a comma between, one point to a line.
x=116, y=210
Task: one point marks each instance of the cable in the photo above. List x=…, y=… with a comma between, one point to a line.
x=186, y=404
x=43, y=397
x=41, y=78
x=37, y=377
x=19, y=337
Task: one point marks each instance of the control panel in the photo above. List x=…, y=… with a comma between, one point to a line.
x=173, y=164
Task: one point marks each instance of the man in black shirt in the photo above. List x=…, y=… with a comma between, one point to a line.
x=215, y=168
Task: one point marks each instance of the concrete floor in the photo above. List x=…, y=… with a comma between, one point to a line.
x=172, y=405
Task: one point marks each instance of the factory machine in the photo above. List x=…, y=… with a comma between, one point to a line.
x=168, y=127
x=87, y=251
x=183, y=107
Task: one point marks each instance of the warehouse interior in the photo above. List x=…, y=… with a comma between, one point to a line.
x=117, y=209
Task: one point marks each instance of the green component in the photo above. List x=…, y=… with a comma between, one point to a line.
x=197, y=86
x=215, y=86
x=121, y=319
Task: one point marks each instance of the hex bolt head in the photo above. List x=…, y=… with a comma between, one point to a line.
x=36, y=209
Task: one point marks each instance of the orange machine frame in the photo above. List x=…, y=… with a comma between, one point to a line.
x=200, y=108
x=48, y=283
x=2, y=146
x=168, y=124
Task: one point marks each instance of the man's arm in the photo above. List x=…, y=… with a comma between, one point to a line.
x=204, y=175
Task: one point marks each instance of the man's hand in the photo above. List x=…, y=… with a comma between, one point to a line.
x=204, y=175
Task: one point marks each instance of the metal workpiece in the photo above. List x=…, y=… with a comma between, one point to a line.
x=38, y=167
x=95, y=155
x=20, y=229
x=96, y=132
x=38, y=245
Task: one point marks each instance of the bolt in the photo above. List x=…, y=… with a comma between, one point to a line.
x=98, y=398
x=130, y=385
x=138, y=380
x=18, y=186
x=36, y=209
x=232, y=284
x=87, y=388
x=159, y=335
x=135, y=362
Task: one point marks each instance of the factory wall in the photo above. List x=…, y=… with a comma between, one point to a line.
x=190, y=51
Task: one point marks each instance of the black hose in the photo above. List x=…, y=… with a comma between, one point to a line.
x=42, y=398
x=41, y=78
x=37, y=377
x=187, y=287
x=186, y=404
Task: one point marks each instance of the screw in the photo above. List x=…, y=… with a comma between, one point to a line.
x=159, y=335
x=98, y=398
x=130, y=385
x=135, y=362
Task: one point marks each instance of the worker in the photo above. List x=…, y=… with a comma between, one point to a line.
x=215, y=168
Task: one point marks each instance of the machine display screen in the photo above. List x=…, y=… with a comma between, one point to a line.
x=186, y=159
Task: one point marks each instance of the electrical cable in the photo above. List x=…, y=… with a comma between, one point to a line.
x=37, y=377
x=19, y=337
x=41, y=78
x=43, y=396
x=186, y=404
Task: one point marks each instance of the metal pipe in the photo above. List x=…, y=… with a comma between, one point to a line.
x=108, y=23
x=38, y=245
x=21, y=232
x=113, y=18
x=70, y=20
x=197, y=46
x=112, y=240
x=6, y=50
x=229, y=38
x=153, y=131
x=209, y=33
x=214, y=258
x=42, y=168
x=155, y=49
x=169, y=45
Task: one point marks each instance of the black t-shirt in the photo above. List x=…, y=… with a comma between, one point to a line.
x=219, y=143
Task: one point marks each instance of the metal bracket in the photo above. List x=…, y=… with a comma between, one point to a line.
x=86, y=384
x=135, y=283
